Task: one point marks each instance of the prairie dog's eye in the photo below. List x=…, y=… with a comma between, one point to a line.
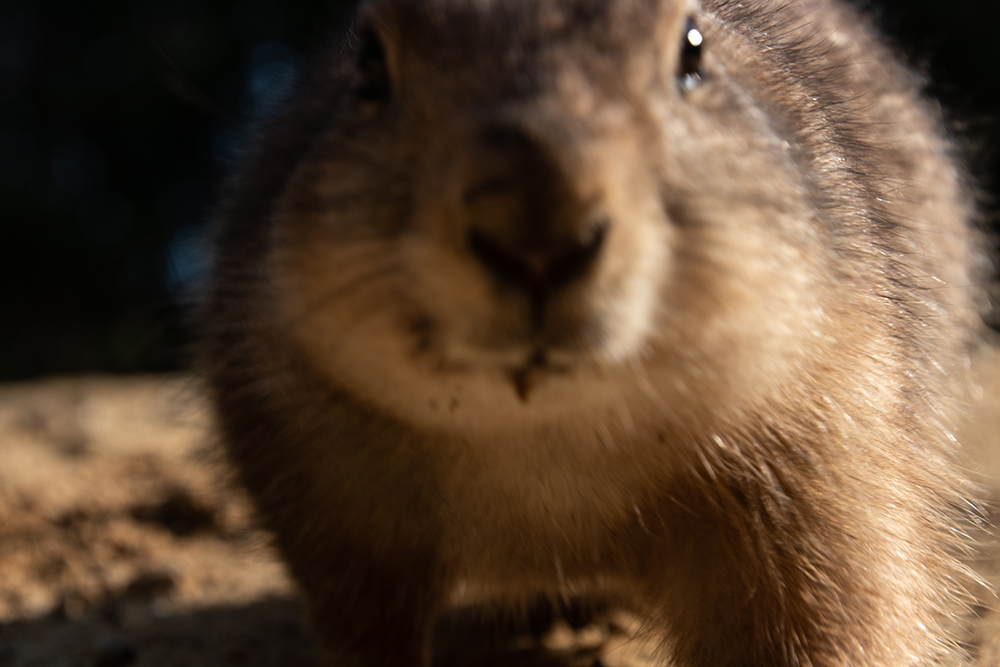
x=689, y=72
x=373, y=80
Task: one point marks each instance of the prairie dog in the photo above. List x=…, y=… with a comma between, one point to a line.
x=655, y=299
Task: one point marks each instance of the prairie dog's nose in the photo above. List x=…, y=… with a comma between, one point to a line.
x=545, y=270
x=528, y=227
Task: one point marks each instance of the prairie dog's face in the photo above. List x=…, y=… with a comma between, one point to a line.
x=524, y=210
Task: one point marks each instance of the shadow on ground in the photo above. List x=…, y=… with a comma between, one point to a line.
x=271, y=633
x=264, y=633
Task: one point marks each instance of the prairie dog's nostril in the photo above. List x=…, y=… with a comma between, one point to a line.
x=577, y=257
x=503, y=265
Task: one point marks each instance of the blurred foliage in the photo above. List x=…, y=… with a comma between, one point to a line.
x=119, y=118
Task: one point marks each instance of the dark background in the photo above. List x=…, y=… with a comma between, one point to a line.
x=119, y=119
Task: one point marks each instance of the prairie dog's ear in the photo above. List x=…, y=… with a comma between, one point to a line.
x=376, y=55
x=373, y=84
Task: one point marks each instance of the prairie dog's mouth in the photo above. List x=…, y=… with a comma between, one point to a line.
x=528, y=375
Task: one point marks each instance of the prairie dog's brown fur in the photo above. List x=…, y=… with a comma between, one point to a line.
x=526, y=297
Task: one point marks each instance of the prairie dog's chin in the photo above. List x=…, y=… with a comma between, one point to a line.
x=464, y=389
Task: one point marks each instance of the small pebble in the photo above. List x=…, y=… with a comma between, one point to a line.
x=592, y=636
x=560, y=637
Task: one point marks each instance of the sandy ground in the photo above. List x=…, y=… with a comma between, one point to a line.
x=122, y=543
